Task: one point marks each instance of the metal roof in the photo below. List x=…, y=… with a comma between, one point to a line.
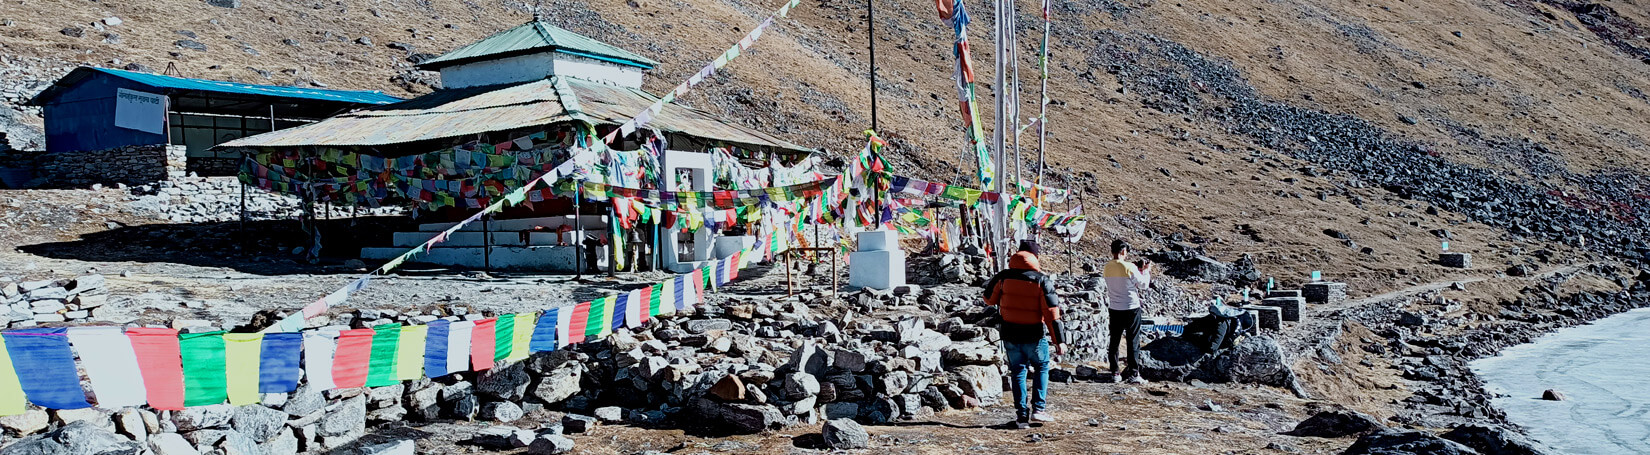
x=474, y=110
x=204, y=85
x=534, y=36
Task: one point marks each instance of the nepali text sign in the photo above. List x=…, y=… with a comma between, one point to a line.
x=140, y=111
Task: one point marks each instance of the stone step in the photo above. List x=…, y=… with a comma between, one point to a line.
x=474, y=239
x=531, y=258
x=591, y=222
x=1284, y=293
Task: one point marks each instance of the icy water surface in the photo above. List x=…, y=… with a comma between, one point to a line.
x=1604, y=370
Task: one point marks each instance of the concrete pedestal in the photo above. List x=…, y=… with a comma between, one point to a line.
x=1266, y=317
x=1457, y=260
x=879, y=263
x=1284, y=293
x=1324, y=292
x=1291, y=306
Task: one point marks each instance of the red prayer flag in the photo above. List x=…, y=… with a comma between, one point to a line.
x=161, y=365
x=646, y=297
x=482, y=344
x=576, y=323
x=350, y=362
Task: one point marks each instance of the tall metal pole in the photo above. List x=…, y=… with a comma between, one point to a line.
x=578, y=231
x=1042, y=104
x=871, y=38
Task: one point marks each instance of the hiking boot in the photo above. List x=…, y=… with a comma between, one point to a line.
x=1042, y=416
x=1136, y=379
x=1022, y=424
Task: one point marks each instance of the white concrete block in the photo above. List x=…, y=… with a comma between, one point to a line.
x=878, y=240
x=876, y=269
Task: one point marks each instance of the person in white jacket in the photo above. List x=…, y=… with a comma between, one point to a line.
x=1124, y=281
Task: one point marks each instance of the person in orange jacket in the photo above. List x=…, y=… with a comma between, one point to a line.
x=1030, y=310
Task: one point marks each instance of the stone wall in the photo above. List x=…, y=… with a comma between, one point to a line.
x=189, y=199
x=129, y=165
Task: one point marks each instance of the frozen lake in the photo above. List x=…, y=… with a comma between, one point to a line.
x=1602, y=368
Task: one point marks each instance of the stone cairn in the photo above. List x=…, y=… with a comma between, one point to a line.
x=30, y=303
x=734, y=366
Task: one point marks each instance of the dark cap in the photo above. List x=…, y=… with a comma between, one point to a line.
x=1030, y=246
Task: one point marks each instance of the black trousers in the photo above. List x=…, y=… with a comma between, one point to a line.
x=1124, y=323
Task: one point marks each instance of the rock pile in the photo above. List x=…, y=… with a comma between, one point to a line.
x=29, y=303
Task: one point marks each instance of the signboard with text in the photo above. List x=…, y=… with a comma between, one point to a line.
x=140, y=111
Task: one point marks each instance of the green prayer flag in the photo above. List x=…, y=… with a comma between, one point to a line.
x=205, y=379
x=504, y=335
x=653, y=298
x=595, y=322
x=386, y=339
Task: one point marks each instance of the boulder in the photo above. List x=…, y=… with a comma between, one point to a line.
x=235, y=443
x=31, y=421
x=502, y=411
x=971, y=353
x=729, y=388
x=844, y=434
x=504, y=383
x=283, y=444
x=75, y=438
x=810, y=359
x=739, y=418
x=575, y=423
x=1170, y=359
x=1255, y=360
x=130, y=422
x=984, y=383
x=1552, y=395
x=609, y=414
x=171, y=444
x=1398, y=442
x=800, y=385
x=558, y=384
x=550, y=444
x=345, y=421
x=1336, y=424
x=258, y=422
x=304, y=401
x=1495, y=440
x=203, y=417
x=700, y=326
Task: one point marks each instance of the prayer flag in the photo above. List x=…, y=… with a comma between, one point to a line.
x=318, y=350
x=617, y=313
x=544, y=333
x=44, y=365
x=458, y=346
x=524, y=336
x=578, y=322
x=564, y=331
x=204, y=379
x=664, y=297
x=635, y=308
x=241, y=351
x=682, y=291
x=353, y=359
x=482, y=344
x=504, y=337
x=409, y=354
x=435, y=349
x=386, y=347
x=106, y=354
x=12, y=401
x=278, y=362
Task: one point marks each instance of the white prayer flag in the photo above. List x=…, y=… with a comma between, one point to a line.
x=110, y=362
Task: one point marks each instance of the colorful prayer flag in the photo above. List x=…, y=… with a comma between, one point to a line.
x=409, y=354
x=278, y=362
x=352, y=361
x=106, y=354
x=241, y=351
x=44, y=366
x=204, y=379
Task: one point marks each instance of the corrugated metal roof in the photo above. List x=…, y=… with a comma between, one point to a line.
x=204, y=85
x=470, y=111
x=537, y=35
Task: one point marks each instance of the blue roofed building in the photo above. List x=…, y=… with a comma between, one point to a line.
x=95, y=109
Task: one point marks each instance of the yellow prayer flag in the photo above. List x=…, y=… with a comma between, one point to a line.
x=242, y=352
x=12, y=401
x=409, y=354
x=522, y=336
